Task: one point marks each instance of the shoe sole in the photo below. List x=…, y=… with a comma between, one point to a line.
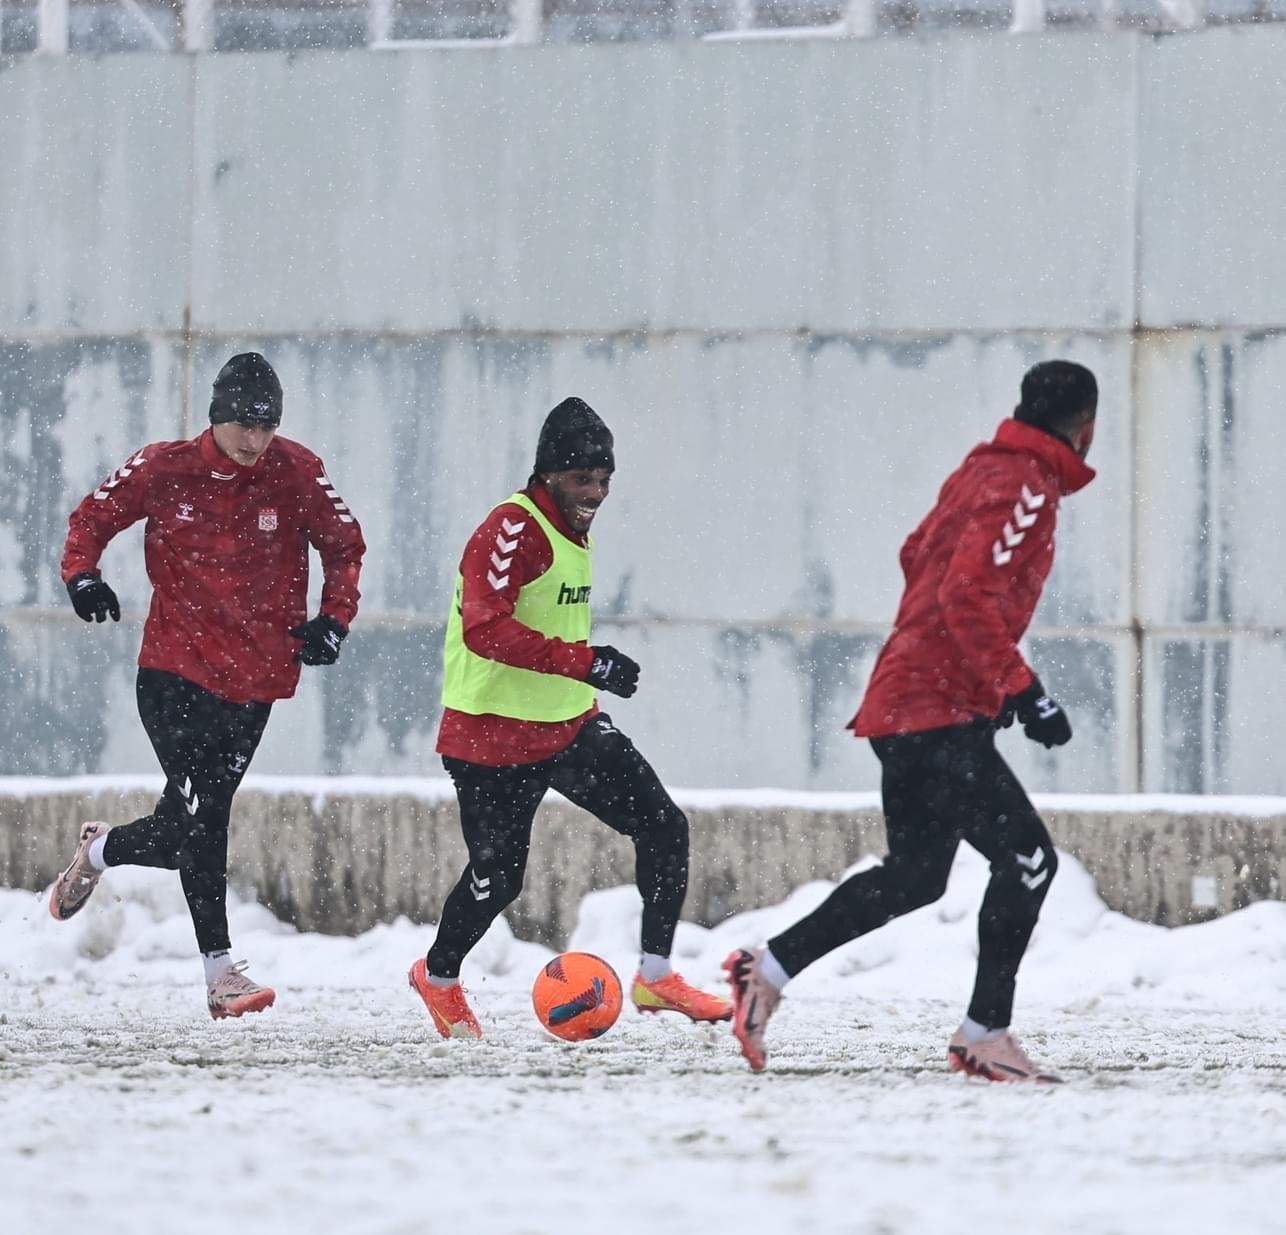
x=247, y=1003
x=56, y=911
x=699, y=1020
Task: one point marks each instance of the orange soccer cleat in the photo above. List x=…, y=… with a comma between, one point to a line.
x=449, y=1009
x=673, y=994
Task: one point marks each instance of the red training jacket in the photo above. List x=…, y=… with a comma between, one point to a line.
x=974, y=571
x=491, y=630
x=226, y=548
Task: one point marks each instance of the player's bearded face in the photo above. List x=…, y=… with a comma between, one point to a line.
x=1083, y=438
x=578, y=495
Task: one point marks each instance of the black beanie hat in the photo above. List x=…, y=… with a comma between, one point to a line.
x=574, y=436
x=247, y=391
x=1056, y=394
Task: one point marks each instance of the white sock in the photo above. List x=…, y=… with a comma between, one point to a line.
x=975, y=1032
x=653, y=968
x=216, y=965
x=772, y=971
x=95, y=853
x=436, y=981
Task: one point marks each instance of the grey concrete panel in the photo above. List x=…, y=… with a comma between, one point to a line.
x=67, y=692
x=766, y=707
x=71, y=413
x=1175, y=864
x=70, y=705
x=1212, y=510
x=732, y=187
x=1094, y=678
x=799, y=279
x=884, y=422
x=750, y=540
x=1209, y=713
x=341, y=859
x=777, y=477
x=991, y=187
x=95, y=197
x=720, y=705
x=1212, y=191
x=762, y=478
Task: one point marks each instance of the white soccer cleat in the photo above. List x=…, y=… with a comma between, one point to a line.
x=754, y=999
x=233, y=994
x=1001, y=1058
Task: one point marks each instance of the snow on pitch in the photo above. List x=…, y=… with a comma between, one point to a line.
x=124, y=1107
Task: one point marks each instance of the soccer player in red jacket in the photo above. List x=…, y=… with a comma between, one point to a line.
x=949, y=675
x=229, y=519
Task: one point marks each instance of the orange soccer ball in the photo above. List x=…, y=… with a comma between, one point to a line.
x=577, y=996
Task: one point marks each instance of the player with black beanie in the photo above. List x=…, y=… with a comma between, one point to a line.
x=229, y=519
x=520, y=718
x=949, y=675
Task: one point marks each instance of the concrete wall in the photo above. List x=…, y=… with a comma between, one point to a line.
x=345, y=855
x=799, y=279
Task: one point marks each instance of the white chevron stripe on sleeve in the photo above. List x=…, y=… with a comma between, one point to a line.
x=1012, y=534
x=341, y=506
x=103, y=492
x=1021, y=517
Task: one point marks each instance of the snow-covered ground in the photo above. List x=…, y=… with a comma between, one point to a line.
x=123, y=1108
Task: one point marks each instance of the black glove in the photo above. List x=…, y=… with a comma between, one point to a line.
x=613, y=671
x=1040, y=716
x=322, y=637
x=92, y=599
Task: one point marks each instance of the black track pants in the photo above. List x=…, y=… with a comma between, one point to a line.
x=601, y=772
x=205, y=745
x=940, y=787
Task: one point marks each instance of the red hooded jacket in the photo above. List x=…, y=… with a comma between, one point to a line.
x=226, y=548
x=974, y=571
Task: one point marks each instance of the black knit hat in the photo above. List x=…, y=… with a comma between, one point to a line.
x=574, y=436
x=247, y=391
x=1057, y=394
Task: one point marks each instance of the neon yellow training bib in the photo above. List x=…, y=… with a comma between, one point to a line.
x=556, y=604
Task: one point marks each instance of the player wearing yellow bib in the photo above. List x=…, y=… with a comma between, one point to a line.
x=519, y=718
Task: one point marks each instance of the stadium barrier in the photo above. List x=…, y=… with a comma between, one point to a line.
x=342, y=855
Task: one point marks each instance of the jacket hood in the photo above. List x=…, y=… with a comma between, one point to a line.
x=1070, y=470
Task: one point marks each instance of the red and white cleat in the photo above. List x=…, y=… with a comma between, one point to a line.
x=1001, y=1058
x=73, y=887
x=233, y=994
x=754, y=1000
